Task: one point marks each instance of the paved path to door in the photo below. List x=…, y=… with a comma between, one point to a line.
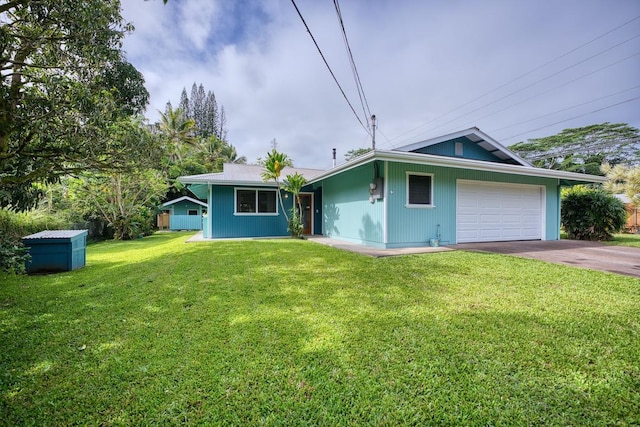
x=591, y=255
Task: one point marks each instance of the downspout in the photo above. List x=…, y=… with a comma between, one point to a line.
x=210, y=213
x=385, y=206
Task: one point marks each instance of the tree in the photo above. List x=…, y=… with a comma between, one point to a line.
x=203, y=110
x=177, y=132
x=293, y=184
x=584, y=149
x=274, y=164
x=126, y=201
x=623, y=180
x=184, y=103
x=64, y=83
x=352, y=154
x=591, y=214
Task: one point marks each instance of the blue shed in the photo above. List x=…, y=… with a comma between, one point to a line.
x=56, y=250
x=184, y=213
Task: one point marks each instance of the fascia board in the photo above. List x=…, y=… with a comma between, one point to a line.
x=180, y=199
x=228, y=182
x=429, y=159
x=432, y=160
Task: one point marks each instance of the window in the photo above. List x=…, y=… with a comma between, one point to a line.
x=419, y=190
x=192, y=212
x=256, y=202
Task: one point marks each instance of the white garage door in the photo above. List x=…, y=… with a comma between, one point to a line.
x=492, y=212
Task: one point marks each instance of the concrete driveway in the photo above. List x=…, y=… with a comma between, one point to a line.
x=592, y=255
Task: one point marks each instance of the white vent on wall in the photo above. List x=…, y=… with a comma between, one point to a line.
x=459, y=149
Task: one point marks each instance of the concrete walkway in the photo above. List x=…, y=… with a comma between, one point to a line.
x=375, y=252
x=592, y=255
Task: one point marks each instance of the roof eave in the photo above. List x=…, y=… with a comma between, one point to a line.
x=227, y=182
x=433, y=160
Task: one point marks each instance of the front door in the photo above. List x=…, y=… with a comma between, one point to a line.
x=306, y=201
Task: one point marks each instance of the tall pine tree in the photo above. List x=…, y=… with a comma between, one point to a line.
x=204, y=111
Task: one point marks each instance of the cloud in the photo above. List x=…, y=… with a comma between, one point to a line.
x=427, y=68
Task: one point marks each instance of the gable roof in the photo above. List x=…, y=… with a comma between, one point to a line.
x=475, y=136
x=184, y=198
x=237, y=174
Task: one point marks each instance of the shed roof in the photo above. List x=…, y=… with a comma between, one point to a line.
x=56, y=234
x=184, y=198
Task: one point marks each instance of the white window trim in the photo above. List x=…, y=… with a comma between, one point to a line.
x=235, y=202
x=419, y=206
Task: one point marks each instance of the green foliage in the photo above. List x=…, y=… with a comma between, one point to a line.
x=352, y=154
x=203, y=109
x=177, y=133
x=290, y=332
x=126, y=202
x=64, y=83
x=293, y=184
x=623, y=180
x=591, y=214
x=13, y=227
x=583, y=149
x=295, y=225
x=13, y=255
x=274, y=165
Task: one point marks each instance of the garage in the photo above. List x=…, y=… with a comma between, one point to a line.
x=494, y=211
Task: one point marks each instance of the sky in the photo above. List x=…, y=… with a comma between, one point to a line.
x=516, y=69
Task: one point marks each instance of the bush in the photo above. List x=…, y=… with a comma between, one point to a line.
x=590, y=214
x=13, y=227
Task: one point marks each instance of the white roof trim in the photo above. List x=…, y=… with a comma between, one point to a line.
x=184, y=198
x=476, y=136
x=434, y=160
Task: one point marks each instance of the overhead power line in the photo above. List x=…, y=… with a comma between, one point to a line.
x=538, y=94
x=328, y=67
x=574, y=117
x=354, y=69
x=525, y=75
x=564, y=109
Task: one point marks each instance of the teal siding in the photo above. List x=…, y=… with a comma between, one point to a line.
x=223, y=223
x=180, y=218
x=415, y=226
x=347, y=212
x=185, y=222
x=470, y=150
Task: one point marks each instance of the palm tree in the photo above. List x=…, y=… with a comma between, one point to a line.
x=293, y=184
x=274, y=164
x=179, y=132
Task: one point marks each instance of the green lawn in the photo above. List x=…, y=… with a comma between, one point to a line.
x=625, y=240
x=290, y=332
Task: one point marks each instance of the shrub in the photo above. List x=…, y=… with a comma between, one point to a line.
x=13, y=227
x=295, y=225
x=591, y=214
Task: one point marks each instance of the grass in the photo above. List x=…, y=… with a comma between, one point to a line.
x=625, y=240
x=287, y=332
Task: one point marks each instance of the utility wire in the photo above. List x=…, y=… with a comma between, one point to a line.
x=354, y=69
x=564, y=109
x=574, y=117
x=328, y=67
x=538, y=94
x=518, y=78
x=540, y=81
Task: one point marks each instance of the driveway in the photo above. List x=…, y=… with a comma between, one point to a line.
x=591, y=255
